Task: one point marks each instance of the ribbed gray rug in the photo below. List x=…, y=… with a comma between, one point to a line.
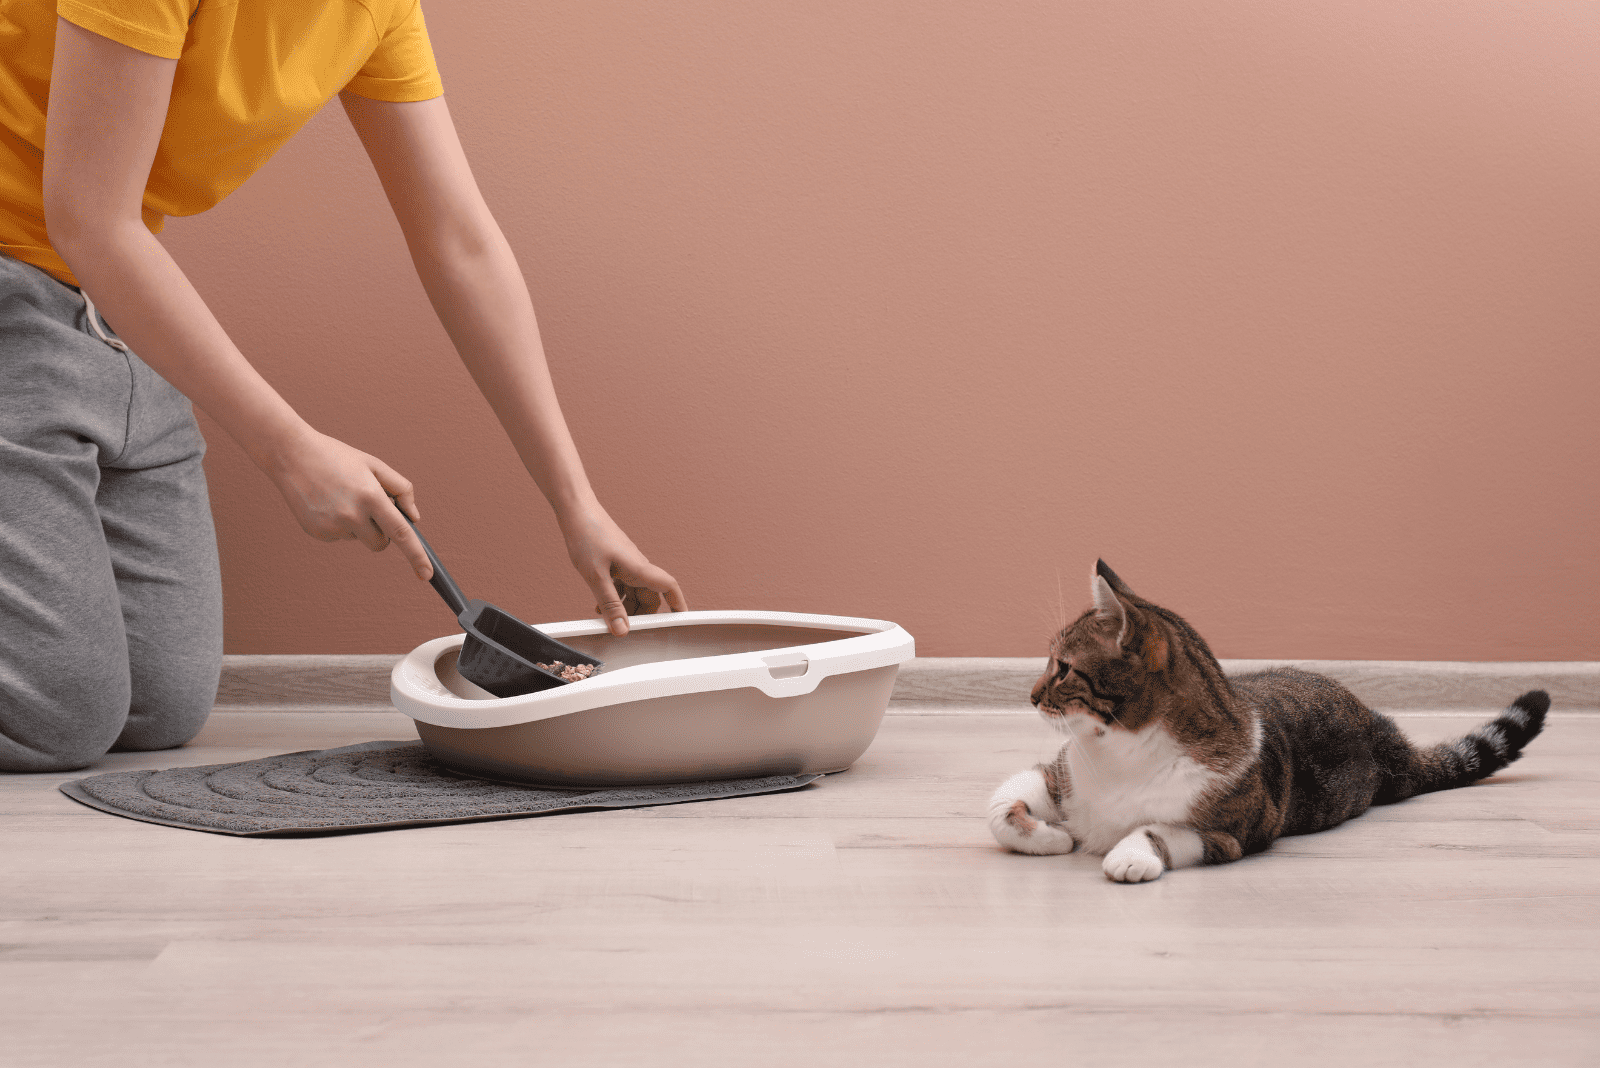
x=363, y=787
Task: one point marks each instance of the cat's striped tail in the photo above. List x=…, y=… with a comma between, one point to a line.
x=1479, y=754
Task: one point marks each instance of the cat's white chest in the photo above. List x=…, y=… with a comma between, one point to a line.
x=1125, y=779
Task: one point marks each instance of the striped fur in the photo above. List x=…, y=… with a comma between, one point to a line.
x=1168, y=762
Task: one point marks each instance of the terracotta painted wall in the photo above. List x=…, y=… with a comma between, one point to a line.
x=911, y=309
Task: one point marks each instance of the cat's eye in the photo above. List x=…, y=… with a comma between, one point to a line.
x=1063, y=669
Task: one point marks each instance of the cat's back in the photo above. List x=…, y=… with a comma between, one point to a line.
x=1298, y=699
x=1324, y=738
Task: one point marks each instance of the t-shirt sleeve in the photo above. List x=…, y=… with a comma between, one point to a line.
x=154, y=26
x=402, y=67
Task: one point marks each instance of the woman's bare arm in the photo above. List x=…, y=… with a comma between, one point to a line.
x=108, y=104
x=477, y=289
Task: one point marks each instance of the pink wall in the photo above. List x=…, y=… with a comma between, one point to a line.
x=910, y=310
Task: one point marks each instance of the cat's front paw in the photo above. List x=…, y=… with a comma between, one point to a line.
x=1016, y=828
x=1132, y=864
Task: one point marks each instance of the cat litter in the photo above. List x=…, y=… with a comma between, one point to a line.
x=684, y=697
x=568, y=672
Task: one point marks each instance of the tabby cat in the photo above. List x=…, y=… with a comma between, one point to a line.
x=1169, y=764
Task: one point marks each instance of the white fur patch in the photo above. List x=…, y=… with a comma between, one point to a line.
x=1184, y=846
x=1122, y=783
x=1122, y=780
x=1133, y=860
x=1043, y=834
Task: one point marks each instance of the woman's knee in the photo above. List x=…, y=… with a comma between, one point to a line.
x=170, y=702
x=62, y=723
x=70, y=720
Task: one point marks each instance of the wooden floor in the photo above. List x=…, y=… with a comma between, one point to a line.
x=865, y=920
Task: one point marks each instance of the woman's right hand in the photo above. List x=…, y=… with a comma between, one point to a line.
x=337, y=492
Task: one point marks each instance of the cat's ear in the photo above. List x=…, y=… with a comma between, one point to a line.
x=1111, y=578
x=1109, y=610
x=1155, y=650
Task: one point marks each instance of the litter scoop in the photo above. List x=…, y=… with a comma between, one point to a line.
x=502, y=654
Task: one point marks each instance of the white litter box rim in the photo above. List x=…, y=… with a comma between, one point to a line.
x=415, y=689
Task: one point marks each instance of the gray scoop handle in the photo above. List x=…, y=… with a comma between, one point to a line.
x=441, y=580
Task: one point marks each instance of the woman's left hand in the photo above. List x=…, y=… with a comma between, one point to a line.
x=623, y=581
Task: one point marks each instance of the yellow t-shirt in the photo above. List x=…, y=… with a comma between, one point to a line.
x=250, y=73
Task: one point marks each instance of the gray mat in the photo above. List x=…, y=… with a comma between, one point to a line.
x=365, y=787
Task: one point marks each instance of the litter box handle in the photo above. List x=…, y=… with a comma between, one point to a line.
x=777, y=674
x=786, y=687
x=441, y=580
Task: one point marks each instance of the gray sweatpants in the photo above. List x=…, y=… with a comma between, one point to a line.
x=110, y=595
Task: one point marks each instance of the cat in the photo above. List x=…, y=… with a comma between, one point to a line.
x=1169, y=764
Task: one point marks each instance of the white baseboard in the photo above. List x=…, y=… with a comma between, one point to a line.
x=360, y=683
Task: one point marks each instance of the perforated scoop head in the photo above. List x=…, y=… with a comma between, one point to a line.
x=502, y=654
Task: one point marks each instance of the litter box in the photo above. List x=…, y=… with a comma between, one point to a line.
x=683, y=697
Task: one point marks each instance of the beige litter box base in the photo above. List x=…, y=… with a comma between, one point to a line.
x=667, y=739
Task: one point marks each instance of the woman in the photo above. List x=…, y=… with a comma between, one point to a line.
x=117, y=113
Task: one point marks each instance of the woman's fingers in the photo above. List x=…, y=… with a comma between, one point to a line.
x=336, y=491
x=399, y=533
x=654, y=585
x=644, y=588
x=396, y=487
x=340, y=492
x=636, y=591
x=636, y=600
x=609, y=607
x=622, y=580
x=674, y=596
x=388, y=517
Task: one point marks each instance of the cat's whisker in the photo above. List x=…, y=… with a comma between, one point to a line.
x=1083, y=751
